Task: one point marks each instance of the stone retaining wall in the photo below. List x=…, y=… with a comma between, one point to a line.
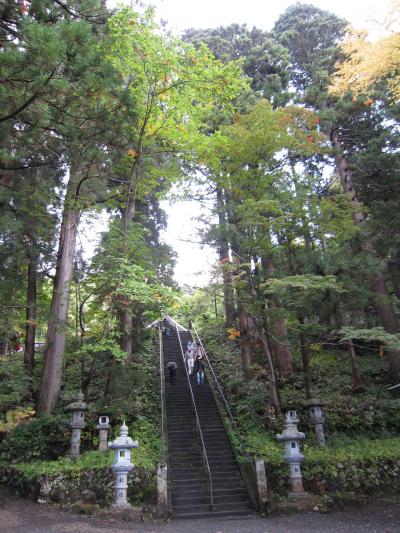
x=354, y=476
x=95, y=486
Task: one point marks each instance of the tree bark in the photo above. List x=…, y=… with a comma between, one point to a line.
x=125, y=312
x=280, y=344
x=4, y=347
x=393, y=267
x=379, y=290
x=357, y=381
x=245, y=338
x=33, y=176
x=279, y=337
x=126, y=324
x=272, y=374
x=137, y=332
x=305, y=359
x=30, y=327
x=223, y=251
x=261, y=333
x=252, y=330
x=57, y=326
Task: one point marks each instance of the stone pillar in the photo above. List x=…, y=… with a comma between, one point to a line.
x=296, y=477
x=78, y=409
x=292, y=438
x=262, y=488
x=162, y=491
x=103, y=426
x=317, y=419
x=122, y=446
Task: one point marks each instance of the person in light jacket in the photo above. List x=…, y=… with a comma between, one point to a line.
x=189, y=357
x=191, y=345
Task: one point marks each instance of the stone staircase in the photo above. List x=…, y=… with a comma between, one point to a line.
x=189, y=480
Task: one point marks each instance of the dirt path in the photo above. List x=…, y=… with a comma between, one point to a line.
x=22, y=516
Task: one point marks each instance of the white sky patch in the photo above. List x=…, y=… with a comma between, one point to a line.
x=194, y=261
x=184, y=14
x=91, y=226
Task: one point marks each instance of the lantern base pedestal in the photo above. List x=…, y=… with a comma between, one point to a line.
x=127, y=514
x=298, y=495
x=121, y=506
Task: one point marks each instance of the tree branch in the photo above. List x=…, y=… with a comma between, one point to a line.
x=30, y=100
x=23, y=167
x=7, y=28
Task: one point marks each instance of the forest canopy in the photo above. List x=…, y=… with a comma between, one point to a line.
x=291, y=134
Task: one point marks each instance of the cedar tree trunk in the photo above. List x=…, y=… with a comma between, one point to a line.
x=277, y=326
x=57, y=326
x=223, y=252
x=30, y=328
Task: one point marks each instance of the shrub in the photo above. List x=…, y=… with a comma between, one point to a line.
x=45, y=437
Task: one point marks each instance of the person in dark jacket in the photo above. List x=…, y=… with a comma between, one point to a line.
x=199, y=369
x=172, y=366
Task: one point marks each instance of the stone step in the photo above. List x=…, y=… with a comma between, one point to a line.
x=219, y=482
x=180, y=485
x=226, y=506
x=213, y=462
x=215, y=470
x=189, y=491
x=176, y=436
x=239, y=498
x=213, y=514
x=188, y=473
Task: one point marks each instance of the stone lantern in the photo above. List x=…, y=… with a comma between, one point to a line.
x=122, y=446
x=78, y=409
x=317, y=419
x=292, y=438
x=103, y=426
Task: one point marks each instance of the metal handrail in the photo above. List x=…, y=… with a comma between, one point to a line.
x=224, y=400
x=164, y=439
x=205, y=458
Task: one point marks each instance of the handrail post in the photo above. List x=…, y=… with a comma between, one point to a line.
x=205, y=458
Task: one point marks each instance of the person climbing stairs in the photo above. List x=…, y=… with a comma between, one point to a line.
x=189, y=478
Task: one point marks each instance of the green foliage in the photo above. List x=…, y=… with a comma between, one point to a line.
x=175, y=87
x=14, y=382
x=146, y=456
x=43, y=437
x=105, y=346
x=376, y=334
x=361, y=466
x=311, y=36
x=87, y=461
x=140, y=285
x=264, y=60
x=303, y=283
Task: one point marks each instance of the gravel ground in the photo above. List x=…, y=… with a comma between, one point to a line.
x=22, y=516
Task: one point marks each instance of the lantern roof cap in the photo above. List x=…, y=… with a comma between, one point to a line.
x=314, y=402
x=78, y=404
x=290, y=434
x=123, y=441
